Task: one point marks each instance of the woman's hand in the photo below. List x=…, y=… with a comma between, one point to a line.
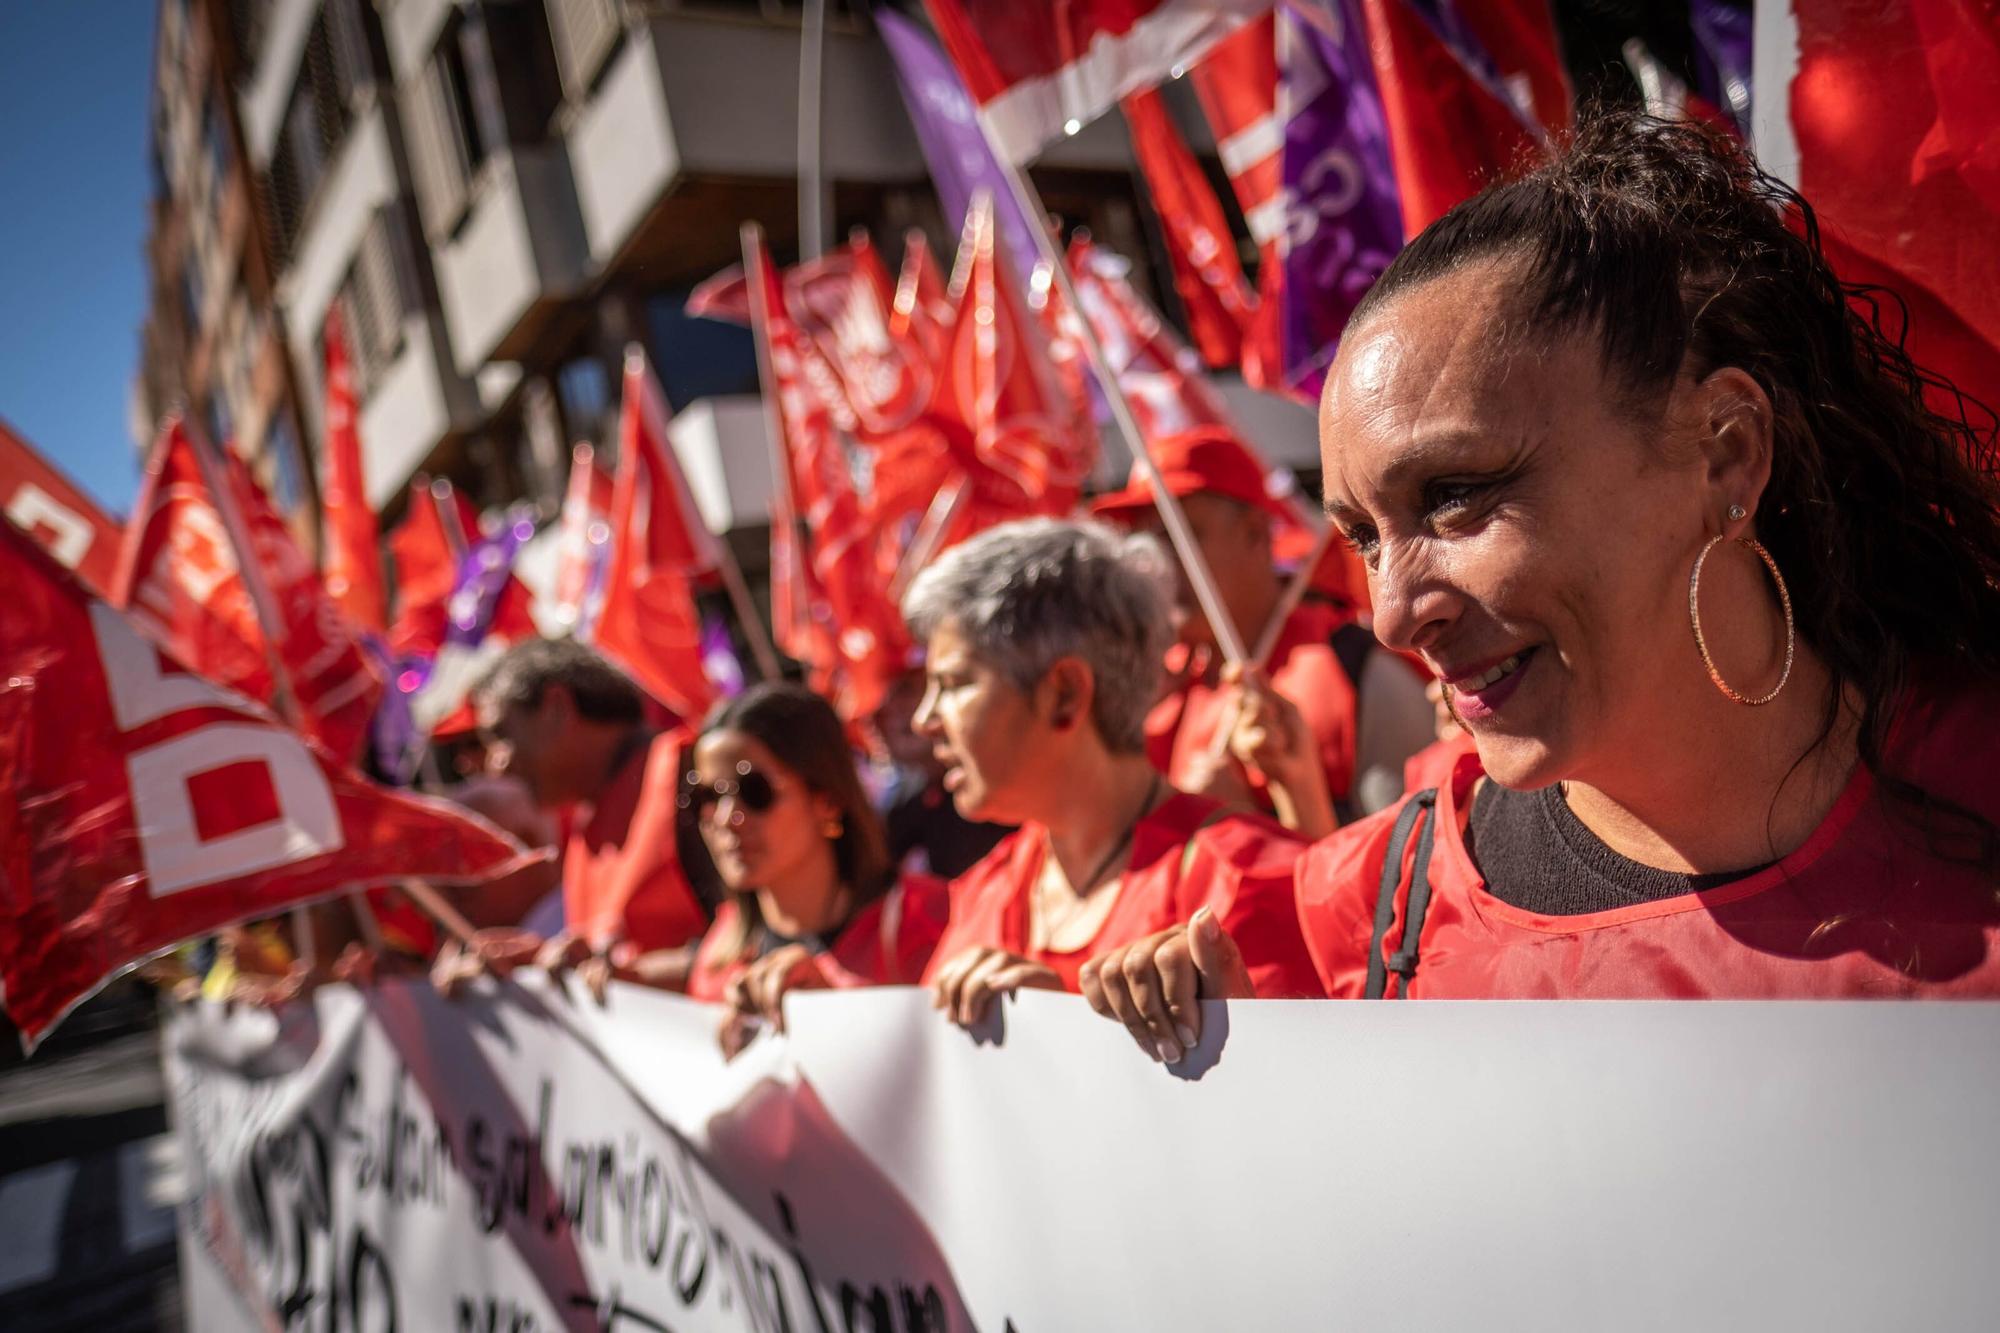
x=456, y=966
x=562, y=950
x=1272, y=737
x=1152, y=985
x=967, y=986
x=756, y=995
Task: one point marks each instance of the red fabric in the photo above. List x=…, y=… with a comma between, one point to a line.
x=1433, y=765
x=179, y=577
x=1303, y=668
x=1520, y=38
x=1001, y=417
x=1448, y=137
x=828, y=605
x=1200, y=249
x=888, y=943
x=353, y=555
x=438, y=524
x=51, y=509
x=1861, y=910
x=1237, y=83
x=622, y=878
x=1896, y=111
x=1240, y=869
x=112, y=847
x=649, y=624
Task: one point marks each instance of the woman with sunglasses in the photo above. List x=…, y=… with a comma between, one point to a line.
x=812, y=899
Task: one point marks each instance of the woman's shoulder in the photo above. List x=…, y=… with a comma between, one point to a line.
x=1346, y=865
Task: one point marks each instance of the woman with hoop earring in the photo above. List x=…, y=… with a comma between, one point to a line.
x=1709, y=580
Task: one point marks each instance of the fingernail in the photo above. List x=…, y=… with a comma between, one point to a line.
x=1186, y=1034
x=1169, y=1053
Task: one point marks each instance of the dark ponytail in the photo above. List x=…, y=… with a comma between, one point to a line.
x=1669, y=244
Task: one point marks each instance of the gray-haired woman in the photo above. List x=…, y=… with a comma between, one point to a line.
x=1044, y=647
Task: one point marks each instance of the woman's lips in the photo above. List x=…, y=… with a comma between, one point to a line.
x=1472, y=704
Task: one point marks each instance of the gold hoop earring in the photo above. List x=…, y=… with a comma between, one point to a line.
x=1701, y=644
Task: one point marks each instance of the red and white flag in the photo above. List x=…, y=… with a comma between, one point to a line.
x=180, y=578
x=353, y=556
x=1887, y=119
x=141, y=805
x=1041, y=69
x=55, y=512
x=660, y=546
x=1160, y=375
x=583, y=543
x=828, y=607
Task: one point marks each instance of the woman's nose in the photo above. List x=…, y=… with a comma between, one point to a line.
x=1412, y=604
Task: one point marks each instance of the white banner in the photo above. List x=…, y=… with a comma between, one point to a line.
x=524, y=1160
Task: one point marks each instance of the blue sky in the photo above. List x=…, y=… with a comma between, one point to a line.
x=74, y=88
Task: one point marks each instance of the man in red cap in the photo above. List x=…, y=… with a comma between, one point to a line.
x=1236, y=520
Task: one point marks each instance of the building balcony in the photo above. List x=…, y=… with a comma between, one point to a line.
x=519, y=252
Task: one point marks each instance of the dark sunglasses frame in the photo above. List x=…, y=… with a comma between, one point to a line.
x=752, y=790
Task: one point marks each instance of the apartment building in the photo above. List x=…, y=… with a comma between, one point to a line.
x=501, y=195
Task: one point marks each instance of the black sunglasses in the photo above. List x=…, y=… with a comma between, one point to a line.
x=752, y=790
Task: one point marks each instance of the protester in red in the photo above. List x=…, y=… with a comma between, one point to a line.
x=572, y=727
x=1044, y=647
x=1716, y=595
x=1234, y=517
x=813, y=900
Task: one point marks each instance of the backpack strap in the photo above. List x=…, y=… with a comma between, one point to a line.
x=1404, y=961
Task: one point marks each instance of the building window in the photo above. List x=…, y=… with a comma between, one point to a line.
x=214, y=145
x=444, y=135
x=583, y=391
x=281, y=444
x=374, y=302
x=194, y=293
x=585, y=33
x=248, y=20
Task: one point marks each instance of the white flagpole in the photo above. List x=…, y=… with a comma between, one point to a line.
x=1178, y=531
x=1267, y=640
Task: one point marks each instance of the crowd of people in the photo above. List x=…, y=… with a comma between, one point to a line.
x=1703, y=574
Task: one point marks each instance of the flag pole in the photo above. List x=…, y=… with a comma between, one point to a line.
x=944, y=510
x=1267, y=639
x=812, y=173
x=1178, y=531
x=751, y=237
x=721, y=554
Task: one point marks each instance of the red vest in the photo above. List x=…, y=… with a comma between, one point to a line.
x=1863, y=909
x=1240, y=867
x=888, y=943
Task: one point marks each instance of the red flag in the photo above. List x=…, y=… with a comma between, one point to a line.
x=353, y=542
x=1207, y=274
x=50, y=508
x=921, y=311
x=649, y=624
x=144, y=805
x=828, y=604
x=1895, y=111
x=437, y=528
x=179, y=576
x=1237, y=83
x=874, y=383
x=583, y=547
x=1002, y=417
x=1449, y=135
x=1160, y=374
x=1040, y=69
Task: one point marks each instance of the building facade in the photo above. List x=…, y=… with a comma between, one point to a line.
x=501, y=195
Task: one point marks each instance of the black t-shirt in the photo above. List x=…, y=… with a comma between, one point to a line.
x=1535, y=854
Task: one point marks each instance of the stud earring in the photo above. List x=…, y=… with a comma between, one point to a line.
x=1736, y=513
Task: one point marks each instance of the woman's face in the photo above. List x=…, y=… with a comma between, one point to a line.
x=754, y=848
x=984, y=730
x=1522, y=533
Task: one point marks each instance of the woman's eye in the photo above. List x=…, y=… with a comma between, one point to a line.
x=1444, y=499
x=1363, y=542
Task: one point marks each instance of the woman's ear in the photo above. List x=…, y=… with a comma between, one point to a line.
x=1732, y=420
x=1064, y=696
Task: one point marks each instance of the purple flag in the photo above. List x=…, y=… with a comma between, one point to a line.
x=1722, y=57
x=1343, y=221
x=947, y=127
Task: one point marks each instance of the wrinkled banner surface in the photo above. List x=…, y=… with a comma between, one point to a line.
x=524, y=1160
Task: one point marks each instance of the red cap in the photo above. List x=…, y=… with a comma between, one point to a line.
x=1206, y=459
